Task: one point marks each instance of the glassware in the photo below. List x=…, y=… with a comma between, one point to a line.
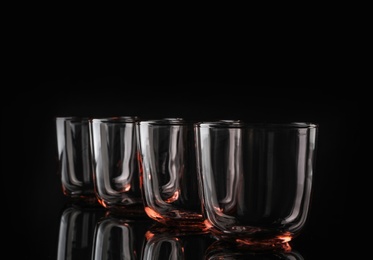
x=115, y=166
x=256, y=179
x=74, y=161
x=168, y=173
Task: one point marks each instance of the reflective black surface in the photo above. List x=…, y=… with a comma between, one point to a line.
x=34, y=205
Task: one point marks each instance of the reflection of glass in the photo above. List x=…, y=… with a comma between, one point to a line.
x=76, y=232
x=256, y=179
x=74, y=160
x=168, y=174
x=115, y=166
x=119, y=238
x=226, y=250
x=168, y=243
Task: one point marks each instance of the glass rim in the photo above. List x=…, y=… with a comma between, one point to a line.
x=262, y=125
x=72, y=118
x=163, y=121
x=114, y=119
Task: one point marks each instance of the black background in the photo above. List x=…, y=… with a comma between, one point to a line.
x=31, y=188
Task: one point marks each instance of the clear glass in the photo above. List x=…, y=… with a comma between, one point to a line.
x=168, y=172
x=74, y=161
x=115, y=166
x=255, y=179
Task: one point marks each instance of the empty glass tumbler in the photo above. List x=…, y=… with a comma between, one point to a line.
x=256, y=179
x=115, y=166
x=168, y=172
x=74, y=161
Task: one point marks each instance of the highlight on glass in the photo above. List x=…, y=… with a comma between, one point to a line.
x=256, y=179
x=168, y=175
x=115, y=166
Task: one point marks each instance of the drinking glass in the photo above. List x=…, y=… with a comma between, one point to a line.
x=74, y=161
x=115, y=166
x=256, y=178
x=168, y=172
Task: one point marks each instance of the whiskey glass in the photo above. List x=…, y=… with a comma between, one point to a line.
x=256, y=179
x=115, y=166
x=74, y=160
x=168, y=173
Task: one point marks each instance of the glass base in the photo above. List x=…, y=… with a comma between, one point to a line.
x=130, y=211
x=83, y=200
x=178, y=229
x=229, y=250
x=182, y=221
x=257, y=241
